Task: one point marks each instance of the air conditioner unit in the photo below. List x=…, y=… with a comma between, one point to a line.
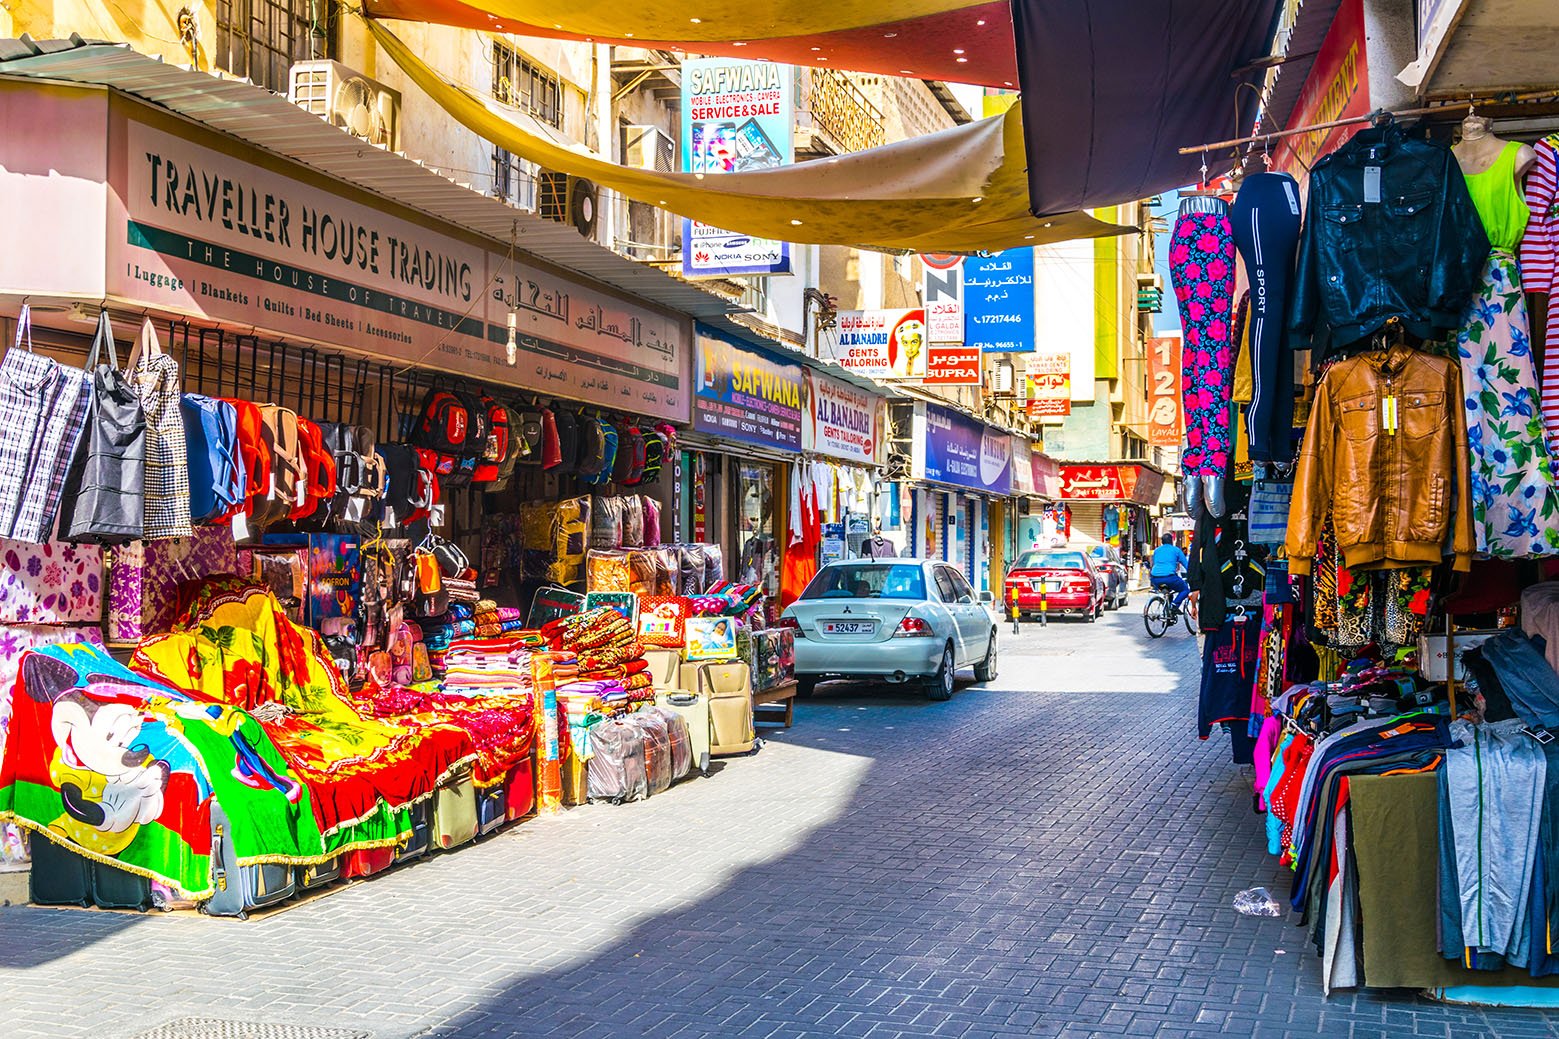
x=568, y=200
x=649, y=148
x=1002, y=377
x=346, y=98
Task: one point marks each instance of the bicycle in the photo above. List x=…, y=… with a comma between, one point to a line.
x=1159, y=613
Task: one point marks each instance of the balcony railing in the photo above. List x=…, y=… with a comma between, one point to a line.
x=837, y=107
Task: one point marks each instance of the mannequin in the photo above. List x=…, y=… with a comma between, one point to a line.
x=1478, y=148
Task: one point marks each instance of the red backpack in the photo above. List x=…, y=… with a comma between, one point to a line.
x=488, y=466
x=319, y=470
x=445, y=426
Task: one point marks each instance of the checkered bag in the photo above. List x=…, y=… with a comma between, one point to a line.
x=156, y=378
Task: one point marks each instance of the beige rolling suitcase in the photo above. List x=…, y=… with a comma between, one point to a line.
x=729, y=689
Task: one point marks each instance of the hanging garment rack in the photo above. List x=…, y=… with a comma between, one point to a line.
x=1447, y=106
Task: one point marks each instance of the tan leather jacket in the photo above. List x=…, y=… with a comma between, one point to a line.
x=1385, y=453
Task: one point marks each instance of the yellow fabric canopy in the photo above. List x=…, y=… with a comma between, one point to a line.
x=961, y=190
x=713, y=20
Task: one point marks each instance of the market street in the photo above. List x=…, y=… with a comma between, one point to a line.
x=1056, y=861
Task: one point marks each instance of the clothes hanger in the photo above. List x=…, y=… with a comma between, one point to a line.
x=1203, y=188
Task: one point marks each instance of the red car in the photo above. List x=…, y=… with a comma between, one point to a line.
x=1064, y=579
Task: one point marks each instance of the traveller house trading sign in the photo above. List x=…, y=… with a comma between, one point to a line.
x=208, y=234
x=746, y=394
x=737, y=116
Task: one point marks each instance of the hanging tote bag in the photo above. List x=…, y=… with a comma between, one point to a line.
x=156, y=379
x=43, y=409
x=103, y=503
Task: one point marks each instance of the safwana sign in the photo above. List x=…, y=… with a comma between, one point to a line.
x=841, y=421
x=745, y=394
x=967, y=453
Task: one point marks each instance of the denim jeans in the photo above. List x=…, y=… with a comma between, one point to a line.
x=1526, y=676
x=1176, y=584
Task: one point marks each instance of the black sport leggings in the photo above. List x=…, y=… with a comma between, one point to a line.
x=1265, y=219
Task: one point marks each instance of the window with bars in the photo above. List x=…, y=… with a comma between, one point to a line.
x=519, y=82
x=260, y=39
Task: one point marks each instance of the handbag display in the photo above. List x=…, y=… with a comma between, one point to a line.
x=1268, y=511
x=155, y=376
x=102, y=501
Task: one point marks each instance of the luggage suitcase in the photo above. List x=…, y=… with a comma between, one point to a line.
x=365, y=862
x=241, y=888
x=492, y=804
x=681, y=740
x=421, y=833
x=729, y=688
x=114, y=888
x=694, y=710
x=59, y=876
x=454, y=811
x=657, y=750
x=521, y=790
x=318, y=874
x=615, y=771
x=665, y=668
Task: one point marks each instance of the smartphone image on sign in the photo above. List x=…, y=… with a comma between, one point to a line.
x=754, y=149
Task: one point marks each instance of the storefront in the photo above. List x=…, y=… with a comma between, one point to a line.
x=747, y=433
x=842, y=436
x=1107, y=503
x=343, y=465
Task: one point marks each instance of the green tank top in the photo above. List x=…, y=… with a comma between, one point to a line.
x=1498, y=199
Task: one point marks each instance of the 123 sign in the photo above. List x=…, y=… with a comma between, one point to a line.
x=1164, y=392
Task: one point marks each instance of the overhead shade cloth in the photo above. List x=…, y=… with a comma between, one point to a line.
x=1113, y=88
x=930, y=39
x=960, y=190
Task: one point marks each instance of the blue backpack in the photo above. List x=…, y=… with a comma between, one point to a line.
x=217, y=478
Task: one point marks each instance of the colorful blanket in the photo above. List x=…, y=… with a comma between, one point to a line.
x=125, y=770
x=502, y=728
x=236, y=646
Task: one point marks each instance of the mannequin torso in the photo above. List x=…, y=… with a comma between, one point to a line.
x=1479, y=148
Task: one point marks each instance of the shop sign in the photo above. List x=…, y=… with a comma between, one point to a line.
x=945, y=321
x=1046, y=473
x=1050, y=385
x=1022, y=465
x=1164, y=391
x=967, y=453
x=198, y=231
x=745, y=394
x=881, y=344
x=999, y=302
x=737, y=117
x=953, y=366
x=841, y=420
x=1128, y=483
x=1337, y=88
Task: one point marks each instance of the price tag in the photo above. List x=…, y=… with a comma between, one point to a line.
x=1389, y=415
x=1372, y=183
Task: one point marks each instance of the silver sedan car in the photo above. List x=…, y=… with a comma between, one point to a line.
x=899, y=620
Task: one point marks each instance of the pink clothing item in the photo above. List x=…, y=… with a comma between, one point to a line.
x=1266, y=747
x=1539, y=253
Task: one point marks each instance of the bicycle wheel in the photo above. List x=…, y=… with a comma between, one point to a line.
x=1190, y=621
x=1155, y=616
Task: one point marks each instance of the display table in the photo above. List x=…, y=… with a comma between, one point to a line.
x=781, y=699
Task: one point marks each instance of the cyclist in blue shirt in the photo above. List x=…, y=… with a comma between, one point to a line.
x=1169, y=562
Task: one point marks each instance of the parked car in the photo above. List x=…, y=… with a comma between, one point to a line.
x=898, y=620
x=1117, y=583
x=1064, y=579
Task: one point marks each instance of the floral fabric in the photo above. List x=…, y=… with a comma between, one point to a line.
x=1515, y=504
x=52, y=583
x=1201, y=268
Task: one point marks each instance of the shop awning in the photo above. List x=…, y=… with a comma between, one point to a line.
x=269, y=121
x=959, y=190
x=1112, y=89
x=956, y=40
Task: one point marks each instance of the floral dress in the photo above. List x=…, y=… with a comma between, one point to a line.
x=1201, y=268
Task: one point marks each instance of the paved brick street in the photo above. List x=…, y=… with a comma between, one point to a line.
x=1055, y=856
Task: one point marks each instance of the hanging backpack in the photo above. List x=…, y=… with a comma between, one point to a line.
x=654, y=457
x=636, y=448
x=428, y=487
x=622, y=466
x=319, y=470
x=102, y=501
x=592, y=447
x=551, y=453
x=217, y=481
x=499, y=441
x=279, y=438
x=402, y=475
x=569, y=424
x=445, y=425
x=480, y=425
x=251, y=450
x=609, y=448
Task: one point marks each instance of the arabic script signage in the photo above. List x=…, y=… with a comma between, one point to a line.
x=953, y=366
x=841, y=420
x=998, y=294
x=1124, y=483
x=198, y=231
x=967, y=453
x=881, y=344
x=746, y=394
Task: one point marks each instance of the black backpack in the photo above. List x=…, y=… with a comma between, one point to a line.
x=481, y=425
x=592, y=446
x=445, y=425
x=568, y=423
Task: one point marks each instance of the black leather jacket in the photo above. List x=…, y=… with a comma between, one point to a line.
x=1404, y=243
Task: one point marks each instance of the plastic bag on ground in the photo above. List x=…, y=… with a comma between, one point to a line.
x=1257, y=901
